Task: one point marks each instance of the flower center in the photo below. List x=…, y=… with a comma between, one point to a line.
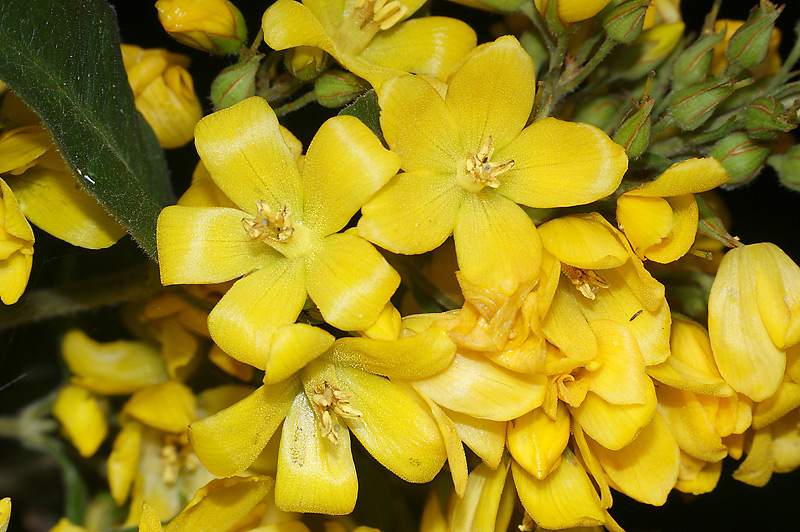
x=176, y=456
x=586, y=281
x=327, y=398
x=278, y=229
x=478, y=170
x=365, y=19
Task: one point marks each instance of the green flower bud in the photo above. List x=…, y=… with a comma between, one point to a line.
x=624, y=22
x=634, y=132
x=335, y=88
x=648, y=51
x=764, y=117
x=788, y=167
x=236, y=82
x=305, y=62
x=693, y=64
x=741, y=156
x=749, y=45
x=693, y=106
x=596, y=111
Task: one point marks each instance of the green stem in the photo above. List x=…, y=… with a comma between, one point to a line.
x=785, y=72
x=100, y=291
x=257, y=41
x=296, y=104
x=529, y=10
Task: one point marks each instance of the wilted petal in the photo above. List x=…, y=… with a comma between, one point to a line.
x=691, y=425
x=785, y=399
x=697, y=476
x=786, y=442
x=230, y=440
x=757, y=468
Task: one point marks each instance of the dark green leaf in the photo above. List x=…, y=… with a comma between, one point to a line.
x=366, y=109
x=62, y=58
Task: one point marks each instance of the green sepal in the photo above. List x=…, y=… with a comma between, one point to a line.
x=366, y=109
x=710, y=225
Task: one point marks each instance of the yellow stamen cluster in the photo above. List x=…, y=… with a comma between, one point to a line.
x=176, y=455
x=384, y=13
x=328, y=397
x=480, y=171
x=269, y=224
x=586, y=281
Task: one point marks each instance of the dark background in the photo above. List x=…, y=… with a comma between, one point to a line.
x=30, y=365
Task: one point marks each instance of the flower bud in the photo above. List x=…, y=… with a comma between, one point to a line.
x=788, y=167
x=647, y=51
x=597, y=111
x=634, y=132
x=764, y=117
x=693, y=64
x=749, y=45
x=214, y=26
x=693, y=106
x=305, y=62
x=741, y=156
x=567, y=11
x=335, y=88
x=236, y=82
x=163, y=92
x=624, y=23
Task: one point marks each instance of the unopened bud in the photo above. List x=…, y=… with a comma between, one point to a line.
x=335, y=88
x=788, y=167
x=692, y=106
x=236, y=82
x=634, y=132
x=741, y=156
x=749, y=45
x=647, y=51
x=305, y=62
x=214, y=26
x=624, y=23
x=597, y=111
x=568, y=11
x=765, y=116
x=693, y=64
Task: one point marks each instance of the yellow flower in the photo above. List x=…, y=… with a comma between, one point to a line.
x=660, y=218
x=754, y=317
x=82, y=417
x=5, y=513
x=371, y=38
x=662, y=12
x=574, y=10
x=282, y=235
x=214, y=26
x=16, y=247
x=319, y=407
x=163, y=92
x=468, y=159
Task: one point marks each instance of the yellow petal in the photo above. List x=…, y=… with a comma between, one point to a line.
x=558, y=164
x=314, y=474
x=786, y=442
x=478, y=509
x=565, y=327
x=20, y=147
x=393, y=427
x=621, y=378
x=783, y=401
x=419, y=127
x=574, y=10
x=81, y=417
x=647, y=468
x=582, y=243
x=292, y=347
x=168, y=406
x=110, y=368
x=414, y=213
x=245, y=319
x=64, y=525
x=683, y=233
x=433, y=519
x=14, y=274
x=179, y=348
x=55, y=202
x=690, y=176
x=288, y=24
x=5, y=513
x=206, y=245
x=123, y=462
x=536, y=441
x=244, y=151
x=565, y=498
x=350, y=281
x=491, y=94
x=427, y=45
x=696, y=476
x=456, y=457
x=473, y=385
x=486, y=438
x=228, y=442
x=756, y=469
x=691, y=425
x=497, y=244
x=412, y=357
x=345, y=165
x=221, y=504
x=615, y=426
x=646, y=221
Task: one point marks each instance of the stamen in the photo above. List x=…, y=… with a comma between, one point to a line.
x=481, y=171
x=268, y=224
x=388, y=13
x=586, y=281
x=328, y=397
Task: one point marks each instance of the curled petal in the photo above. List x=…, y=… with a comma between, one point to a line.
x=83, y=420
x=169, y=406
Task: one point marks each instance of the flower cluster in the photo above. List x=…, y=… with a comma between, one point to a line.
x=501, y=258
